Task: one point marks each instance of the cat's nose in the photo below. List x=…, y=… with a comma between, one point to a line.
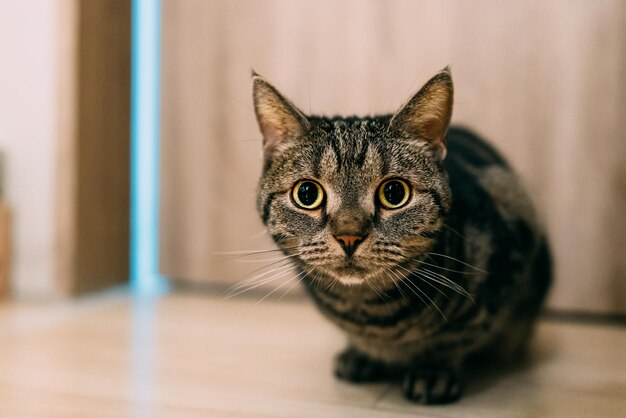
x=349, y=243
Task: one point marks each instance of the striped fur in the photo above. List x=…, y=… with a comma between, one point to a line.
x=463, y=268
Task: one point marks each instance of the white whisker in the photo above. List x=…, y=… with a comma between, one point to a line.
x=295, y=284
x=252, y=279
x=446, y=269
x=264, y=260
x=453, y=230
x=395, y=283
x=410, y=282
x=241, y=288
x=443, y=280
x=427, y=282
x=428, y=275
x=411, y=286
x=458, y=261
x=252, y=253
x=371, y=286
x=299, y=275
x=331, y=284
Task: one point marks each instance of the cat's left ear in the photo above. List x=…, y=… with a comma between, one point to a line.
x=282, y=123
x=426, y=115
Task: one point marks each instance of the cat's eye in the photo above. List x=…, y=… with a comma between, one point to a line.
x=307, y=194
x=394, y=193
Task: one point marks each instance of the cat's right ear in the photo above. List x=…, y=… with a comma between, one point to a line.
x=426, y=115
x=281, y=123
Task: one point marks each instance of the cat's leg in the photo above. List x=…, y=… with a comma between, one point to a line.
x=354, y=366
x=433, y=383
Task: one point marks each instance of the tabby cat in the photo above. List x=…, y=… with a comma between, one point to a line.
x=414, y=238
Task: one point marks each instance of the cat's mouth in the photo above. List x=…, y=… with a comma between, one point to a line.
x=359, y=272
x=351, y=269
x=350, y=273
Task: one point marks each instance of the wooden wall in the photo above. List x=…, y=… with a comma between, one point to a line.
x=543, y=80
x=93, y=178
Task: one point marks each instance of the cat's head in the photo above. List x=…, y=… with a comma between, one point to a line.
x=355, y=200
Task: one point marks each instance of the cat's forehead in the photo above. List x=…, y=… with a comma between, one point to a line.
x=349, y=147
x=350, y=143
x=351, y=127
x=350, y=152
x=363, y=144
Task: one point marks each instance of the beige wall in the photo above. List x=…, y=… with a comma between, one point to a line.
x=544, y=80
x=65, y=132
x=29, y=115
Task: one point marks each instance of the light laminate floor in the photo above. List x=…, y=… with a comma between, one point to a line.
x=185, y=355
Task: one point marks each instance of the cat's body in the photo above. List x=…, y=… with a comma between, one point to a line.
x=418, y=241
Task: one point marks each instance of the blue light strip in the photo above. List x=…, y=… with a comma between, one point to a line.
x=145, y=125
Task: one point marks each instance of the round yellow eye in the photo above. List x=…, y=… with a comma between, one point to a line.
x=394, y=193
x=307, y=194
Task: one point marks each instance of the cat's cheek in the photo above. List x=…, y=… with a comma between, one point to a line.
x=300, y=223
x=393, y=215
x=309, y=217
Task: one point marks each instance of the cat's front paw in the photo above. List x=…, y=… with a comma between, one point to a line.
x=429, y=385
x=354, y=366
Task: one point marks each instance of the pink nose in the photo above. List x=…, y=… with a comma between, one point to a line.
x=349, y=242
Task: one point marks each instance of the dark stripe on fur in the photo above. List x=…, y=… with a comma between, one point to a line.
x=434, y=194
x=335, y=146
x=360, y=159
x=267, y=206
x=413, y=308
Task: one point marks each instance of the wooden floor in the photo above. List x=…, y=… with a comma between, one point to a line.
x=185, y=355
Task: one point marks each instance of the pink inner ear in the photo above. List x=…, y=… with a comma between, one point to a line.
x=272, y=137
x=433, y=130
x=439, y=151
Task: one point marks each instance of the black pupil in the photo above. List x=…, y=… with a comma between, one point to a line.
x=307, y=193
x=394, y=192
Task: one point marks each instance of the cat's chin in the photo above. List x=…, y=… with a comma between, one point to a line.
x=350, y=274
x=350, y=280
